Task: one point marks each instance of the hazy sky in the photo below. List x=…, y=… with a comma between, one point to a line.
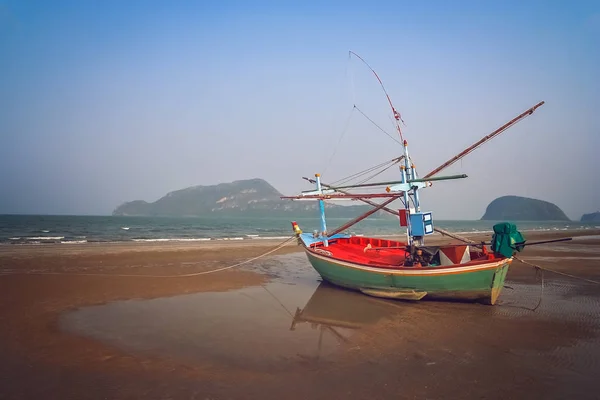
x=103, y=102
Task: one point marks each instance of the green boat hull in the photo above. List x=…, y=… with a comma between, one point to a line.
x=482, y=282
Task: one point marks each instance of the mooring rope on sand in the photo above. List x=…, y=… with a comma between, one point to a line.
x=557, y=272
x=541, y=269
x=273, y=250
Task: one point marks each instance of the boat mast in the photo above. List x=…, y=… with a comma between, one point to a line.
x=403, y=170
x=323, y=233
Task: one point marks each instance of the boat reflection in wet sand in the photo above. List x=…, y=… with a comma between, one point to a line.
x=340, y=311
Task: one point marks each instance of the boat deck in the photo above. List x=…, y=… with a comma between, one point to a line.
x=384, y=253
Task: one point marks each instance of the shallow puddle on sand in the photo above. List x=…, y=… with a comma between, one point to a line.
x=293, y=317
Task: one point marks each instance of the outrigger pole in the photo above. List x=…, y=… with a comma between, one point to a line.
x=485, y=139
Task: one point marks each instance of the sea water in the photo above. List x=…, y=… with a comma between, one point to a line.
x=42, y=229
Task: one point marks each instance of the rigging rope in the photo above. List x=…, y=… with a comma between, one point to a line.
x=276, y=248
x=342, y=181
x=378, y=173
x=397, y=115
x=339, y=140
x=378, y=127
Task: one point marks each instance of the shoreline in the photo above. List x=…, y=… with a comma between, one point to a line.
x=176, y=244
x=181, y=258
x=66, y=236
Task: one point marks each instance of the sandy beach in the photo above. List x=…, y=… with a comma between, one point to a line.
x=67, y=335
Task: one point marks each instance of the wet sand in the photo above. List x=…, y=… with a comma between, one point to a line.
x=271, y=330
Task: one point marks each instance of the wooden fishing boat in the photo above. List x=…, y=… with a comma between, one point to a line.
x=379, y=267
x=408, y=270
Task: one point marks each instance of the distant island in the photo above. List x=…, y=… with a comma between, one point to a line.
x=516, y=208
x=592, y=217
x=253, y=197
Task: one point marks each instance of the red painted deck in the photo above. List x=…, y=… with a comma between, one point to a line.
x=382, y=253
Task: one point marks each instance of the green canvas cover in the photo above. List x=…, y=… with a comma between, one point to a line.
x=507, y=239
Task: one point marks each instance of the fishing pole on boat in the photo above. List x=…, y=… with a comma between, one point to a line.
x=397, y=116
x=406, y=189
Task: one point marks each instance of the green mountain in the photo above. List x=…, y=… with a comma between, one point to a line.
x=516, y=208
x=252, y=197
x=592, y=217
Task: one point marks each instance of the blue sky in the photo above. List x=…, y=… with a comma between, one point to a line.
x=103, y=102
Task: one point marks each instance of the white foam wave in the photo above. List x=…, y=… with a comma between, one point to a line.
x=125, y=228
x=73, y=241
x=231, y=238
x=173, y=240
x=45, y=238
x=269, y=237
x=14, y=238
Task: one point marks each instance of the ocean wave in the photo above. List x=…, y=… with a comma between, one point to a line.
x=73, y=241
x=269, y=237
x=114, y=230
x=173, y=240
